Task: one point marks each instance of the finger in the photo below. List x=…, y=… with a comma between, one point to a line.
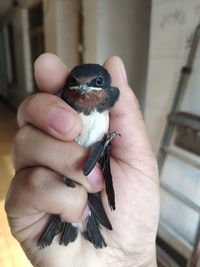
x=50, y=73
x=42, y=190
x=50, y=114
x=32, y=147
x=125, y=116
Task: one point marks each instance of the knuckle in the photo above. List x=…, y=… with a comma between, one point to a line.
x=21, y=138
x=35, y=180
x=19, y=142
x=35, y=101
x=81, y=198
x=24, y=184
x=33, y=105
x=20, y=112
x=23, y=147
x=89, y=187
x=11, y=199
x=25, y=109
x=8, y=201
x=40, y=100
x=71, y=157
x=8, y=205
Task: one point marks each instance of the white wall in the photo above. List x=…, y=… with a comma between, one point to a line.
x=172, y=24
x=62, y=29
x=115, y=27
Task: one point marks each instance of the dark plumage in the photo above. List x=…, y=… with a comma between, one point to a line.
x=88, y=73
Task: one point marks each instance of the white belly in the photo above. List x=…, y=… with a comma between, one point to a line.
x=94, y=126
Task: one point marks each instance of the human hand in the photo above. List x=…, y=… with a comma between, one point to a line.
x=44, y=152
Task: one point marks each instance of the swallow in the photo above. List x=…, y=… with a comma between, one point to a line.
x=88, y=90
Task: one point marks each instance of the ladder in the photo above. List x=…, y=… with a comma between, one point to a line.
x=164, y=148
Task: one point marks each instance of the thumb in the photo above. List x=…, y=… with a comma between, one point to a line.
x=125, y=116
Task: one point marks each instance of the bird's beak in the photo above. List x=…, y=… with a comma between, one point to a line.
x=83, y=88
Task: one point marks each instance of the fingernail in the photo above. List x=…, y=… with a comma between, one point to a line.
x=59, y=119
x=95, y=178
x=85, y=213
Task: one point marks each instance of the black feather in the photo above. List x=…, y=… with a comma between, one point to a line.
x=94, y=156
x=69, y=182
x=96, y=206
x=69, y=234
x=92, y=232
x=52, y=228
x=105, y=165
x=100, y=152
x=112, y=97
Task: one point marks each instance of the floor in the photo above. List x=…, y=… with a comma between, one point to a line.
x=11, y=254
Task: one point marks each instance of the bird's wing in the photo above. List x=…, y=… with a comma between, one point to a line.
x=100, y=152
x=105, y=165
x=94, y=156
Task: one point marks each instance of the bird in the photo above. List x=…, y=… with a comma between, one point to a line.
x=88, y=90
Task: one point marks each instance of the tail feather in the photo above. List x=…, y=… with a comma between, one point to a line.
x=53, y=227
x=92, y=232
x=96, y=207
x=69, y=234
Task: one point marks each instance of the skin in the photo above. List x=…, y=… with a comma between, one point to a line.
x=44, y=151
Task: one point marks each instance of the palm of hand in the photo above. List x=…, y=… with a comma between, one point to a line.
x=134, y=223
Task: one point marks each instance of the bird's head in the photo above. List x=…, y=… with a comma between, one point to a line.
x=86, y=78
x=87, y=87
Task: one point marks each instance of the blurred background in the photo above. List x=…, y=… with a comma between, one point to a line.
x=154, y=39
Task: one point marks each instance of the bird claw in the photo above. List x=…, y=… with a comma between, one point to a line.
x=109, y=136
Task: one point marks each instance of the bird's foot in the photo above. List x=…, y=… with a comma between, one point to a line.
x=108, y=137
x=97, y=151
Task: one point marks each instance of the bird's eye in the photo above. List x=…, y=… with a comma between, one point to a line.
x=99, y=81
x=73, y=80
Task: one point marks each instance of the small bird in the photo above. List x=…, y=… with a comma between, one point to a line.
x=88, y=90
